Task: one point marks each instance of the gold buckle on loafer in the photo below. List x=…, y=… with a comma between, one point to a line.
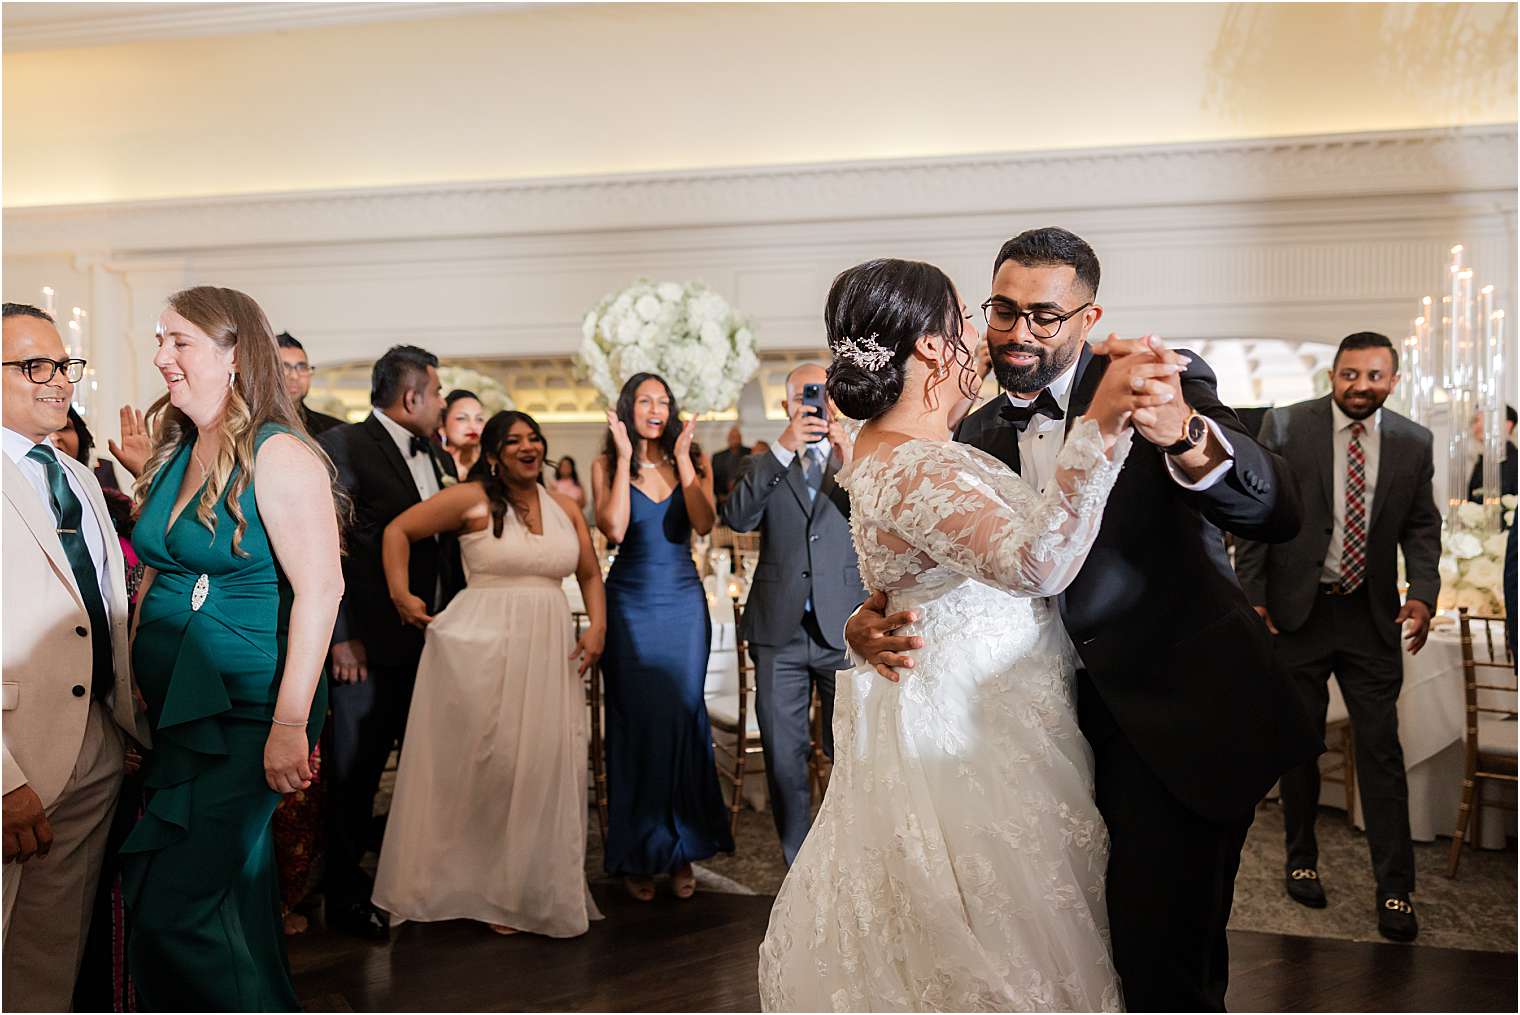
x=1304, y=874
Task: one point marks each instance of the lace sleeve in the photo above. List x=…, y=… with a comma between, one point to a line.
x=970, y=513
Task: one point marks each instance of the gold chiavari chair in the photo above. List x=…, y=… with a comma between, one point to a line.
x=1491, y=742
x=735, y=716
x=593, y=684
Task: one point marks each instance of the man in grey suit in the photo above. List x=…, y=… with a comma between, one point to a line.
x=1331, y=598
x=806, y=584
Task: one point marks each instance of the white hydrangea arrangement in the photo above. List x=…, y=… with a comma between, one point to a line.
x=493, y=394
x=684, y=332
x=1472, y=562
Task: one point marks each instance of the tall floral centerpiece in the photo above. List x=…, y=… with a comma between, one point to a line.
x=684, y=332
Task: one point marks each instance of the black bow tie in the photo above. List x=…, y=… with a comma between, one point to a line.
x=419, y=445
x=1020, y=415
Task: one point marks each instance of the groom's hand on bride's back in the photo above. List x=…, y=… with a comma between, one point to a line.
x=871, y=635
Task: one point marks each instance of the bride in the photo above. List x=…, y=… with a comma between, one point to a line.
x=957, y=862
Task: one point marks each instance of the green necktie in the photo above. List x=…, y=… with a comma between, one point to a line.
x=70, y=515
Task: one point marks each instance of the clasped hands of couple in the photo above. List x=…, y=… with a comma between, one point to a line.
x=1142, y=389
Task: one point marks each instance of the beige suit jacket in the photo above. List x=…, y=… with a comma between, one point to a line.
x=45, y=655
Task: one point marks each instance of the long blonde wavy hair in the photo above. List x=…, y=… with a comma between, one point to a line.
x=256, y=396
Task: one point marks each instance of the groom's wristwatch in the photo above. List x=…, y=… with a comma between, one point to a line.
x=1194, y=432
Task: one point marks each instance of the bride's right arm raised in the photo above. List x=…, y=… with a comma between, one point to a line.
x=969, y=512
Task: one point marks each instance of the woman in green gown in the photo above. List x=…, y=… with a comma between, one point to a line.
x=239, y=531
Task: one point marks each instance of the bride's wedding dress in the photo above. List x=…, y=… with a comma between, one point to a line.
x=957, y=863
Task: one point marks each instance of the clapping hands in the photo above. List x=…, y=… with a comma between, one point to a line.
x=619, y=431
x=136, y=443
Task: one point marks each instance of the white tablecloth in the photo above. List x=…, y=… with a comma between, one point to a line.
x=1432, y=714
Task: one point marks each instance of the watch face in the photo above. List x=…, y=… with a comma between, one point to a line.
x=1197, y=429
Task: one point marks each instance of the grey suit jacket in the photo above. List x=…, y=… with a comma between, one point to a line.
x=1285, y=578
x=805, y=550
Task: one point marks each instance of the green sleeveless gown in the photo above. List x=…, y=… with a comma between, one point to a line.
x=199, y=868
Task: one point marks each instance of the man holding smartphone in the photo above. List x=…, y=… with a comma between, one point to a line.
x=806, y=584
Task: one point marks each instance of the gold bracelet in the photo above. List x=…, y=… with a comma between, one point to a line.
x=282, y=722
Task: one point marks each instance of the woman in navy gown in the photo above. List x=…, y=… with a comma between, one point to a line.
x=653, y=487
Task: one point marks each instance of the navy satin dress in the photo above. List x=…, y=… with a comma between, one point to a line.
x=664, y=806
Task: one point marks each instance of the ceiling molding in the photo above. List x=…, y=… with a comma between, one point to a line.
x=1478, y=161
x=40, y=26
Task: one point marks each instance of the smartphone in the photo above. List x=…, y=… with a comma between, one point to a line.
x=814, y=397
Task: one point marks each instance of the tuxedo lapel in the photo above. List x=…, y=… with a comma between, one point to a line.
x=388, y=450
x=1089, y=372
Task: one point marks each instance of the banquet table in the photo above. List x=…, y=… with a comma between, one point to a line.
x=1432, y=713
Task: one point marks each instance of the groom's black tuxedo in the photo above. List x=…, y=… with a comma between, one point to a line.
x=1189, y=725
x=1171, y=645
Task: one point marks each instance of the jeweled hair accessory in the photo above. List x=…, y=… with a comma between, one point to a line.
x=863, y=352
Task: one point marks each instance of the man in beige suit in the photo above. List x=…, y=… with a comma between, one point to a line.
x=67, y=693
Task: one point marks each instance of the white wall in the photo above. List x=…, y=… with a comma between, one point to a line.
x=1300, y=239
x=596, y=89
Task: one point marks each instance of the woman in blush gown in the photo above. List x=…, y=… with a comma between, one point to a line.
x=653, y=487
x=488, y=821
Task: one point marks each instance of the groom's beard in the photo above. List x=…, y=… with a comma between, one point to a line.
x=1049, y=364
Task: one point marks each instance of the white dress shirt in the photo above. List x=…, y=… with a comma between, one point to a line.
x=1340, y=440
x=1042, y=440
x=420, y=465
x=16, y=448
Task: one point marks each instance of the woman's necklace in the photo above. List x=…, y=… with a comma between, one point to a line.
x=202, y=471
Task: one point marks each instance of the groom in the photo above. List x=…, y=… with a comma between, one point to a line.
x=1189, y=727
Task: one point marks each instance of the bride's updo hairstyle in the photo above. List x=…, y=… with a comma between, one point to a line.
x=875, y=313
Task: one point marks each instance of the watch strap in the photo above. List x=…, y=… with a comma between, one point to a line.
x=1187, y=443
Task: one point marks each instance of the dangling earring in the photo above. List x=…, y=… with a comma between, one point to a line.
x=232, y=379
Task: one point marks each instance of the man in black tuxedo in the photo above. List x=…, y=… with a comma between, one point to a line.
x=1176, y=694
x=298, y=371
x=386, y=464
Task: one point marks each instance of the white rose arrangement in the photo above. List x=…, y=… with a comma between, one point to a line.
x=684, y=332
x=492, y=393
x=1472, y=562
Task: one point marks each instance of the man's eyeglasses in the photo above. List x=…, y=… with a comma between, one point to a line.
x=1002, y=315
x=298, y=369
x=40, y=369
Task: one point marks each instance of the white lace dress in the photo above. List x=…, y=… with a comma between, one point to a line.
x=958, y=861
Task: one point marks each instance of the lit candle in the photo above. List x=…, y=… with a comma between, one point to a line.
x=47, y=299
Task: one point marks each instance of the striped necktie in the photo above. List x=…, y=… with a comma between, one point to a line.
x=1354, y=548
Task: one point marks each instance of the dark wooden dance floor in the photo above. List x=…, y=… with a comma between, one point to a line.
x=700, y=956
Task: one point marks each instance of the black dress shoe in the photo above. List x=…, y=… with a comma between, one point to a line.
x=359, y=919
x=1395, y=917
x=1304, y=887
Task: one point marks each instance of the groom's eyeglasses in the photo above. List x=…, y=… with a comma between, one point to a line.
x=1002, y=315
x=40, y=369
